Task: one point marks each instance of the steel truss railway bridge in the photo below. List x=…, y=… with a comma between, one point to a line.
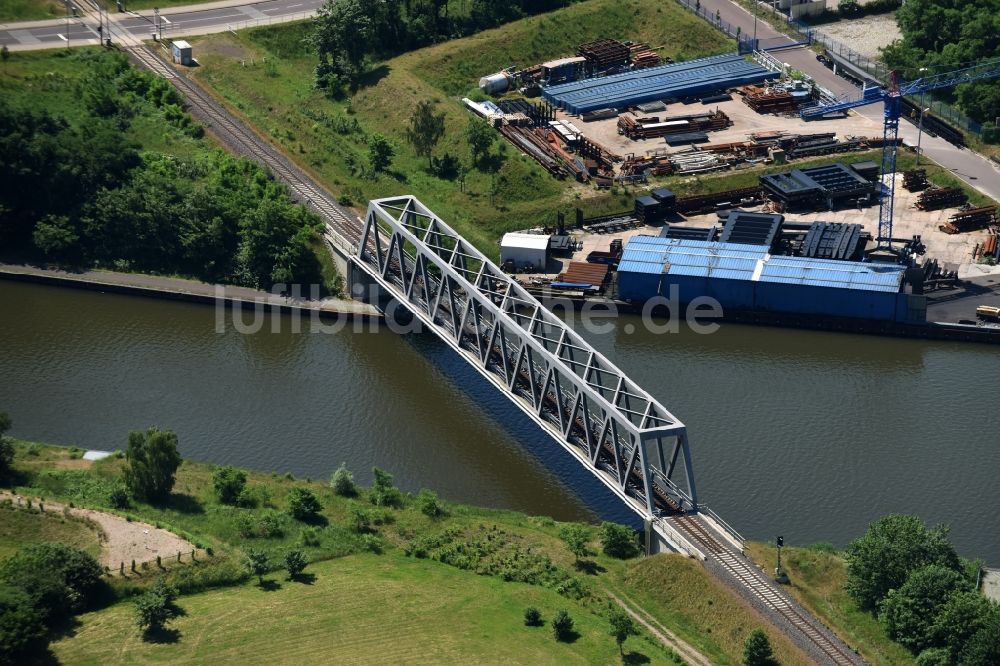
x=616, y=430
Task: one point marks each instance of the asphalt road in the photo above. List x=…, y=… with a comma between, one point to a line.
x=176, y=22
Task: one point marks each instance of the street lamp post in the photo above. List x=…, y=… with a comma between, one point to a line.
x=920, y=121
x=754, y=25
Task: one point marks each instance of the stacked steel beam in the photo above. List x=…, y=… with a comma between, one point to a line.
x=970, y=220
x=604, y=53
x=771, y=101
x=915, y=180
x=642, y=56
x=653, y=126
x=937, y=198
x=710, y=202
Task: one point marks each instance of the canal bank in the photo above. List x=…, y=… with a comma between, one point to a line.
x=191, y=291
x=803, y=433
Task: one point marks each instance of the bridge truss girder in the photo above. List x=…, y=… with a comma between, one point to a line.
x=616, y=429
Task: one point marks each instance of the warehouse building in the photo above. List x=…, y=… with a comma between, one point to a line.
x=675, y=81
x=525, y=249
x=749, y=278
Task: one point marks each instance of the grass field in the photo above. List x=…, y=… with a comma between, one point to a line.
x=818, y=574
x=361, y=609
x=31, y=10
x=434, y=605
x=329, y=137
x=19, y=528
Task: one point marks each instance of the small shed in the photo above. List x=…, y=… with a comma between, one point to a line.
x=525, y=249
x=180, y=51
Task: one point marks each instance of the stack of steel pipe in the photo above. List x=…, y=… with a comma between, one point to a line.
x=915, y=180
x=970, y=220
x=604, y=53
x=937, y=198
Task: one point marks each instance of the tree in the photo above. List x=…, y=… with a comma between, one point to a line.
x=619, y=541
x=229, y=483
x=342, y=482
x=480, y=136
x=622, y=626
x=427, y=500
x=150, y=463
x=908, y=613
x=295, y=563
x=383, y=492
x=155, y=607
x=983, y=649
x=894, y=546
x=60, y=579
x=4, y=53
x=6, y=446
x=426, y=129
x=757, y=649
x=958, y=620
x=256, y=563
x=343, y=29
x=380, y=152
x=576, y=537
x=23, y=633
x=303, y=504
x=562, y=626
x=532, y=617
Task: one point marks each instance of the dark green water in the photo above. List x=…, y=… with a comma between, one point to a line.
x=806, y=434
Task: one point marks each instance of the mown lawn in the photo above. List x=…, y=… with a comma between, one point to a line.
x=676, y=592
x=19, y=528
x=364, y=609
x=266, y=74
x=817, y=576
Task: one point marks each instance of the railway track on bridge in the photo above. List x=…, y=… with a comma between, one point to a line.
x=345, y=230
x=751, y=579
x=244, y=141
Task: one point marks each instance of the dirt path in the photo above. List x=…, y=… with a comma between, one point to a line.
x=686, y=651
x=122, y=541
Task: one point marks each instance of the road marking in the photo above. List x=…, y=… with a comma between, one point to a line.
x=295, y=5
x=63, y=37
x=166, y=20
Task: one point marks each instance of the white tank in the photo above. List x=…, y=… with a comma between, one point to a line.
x=494, y=83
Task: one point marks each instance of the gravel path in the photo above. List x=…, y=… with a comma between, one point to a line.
x=864, y=35
x=123, y=541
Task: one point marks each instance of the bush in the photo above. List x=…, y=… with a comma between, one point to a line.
x=229, y=483
x=295, y=563
x=309, y=537
x=342, y=482
x=757, y=650
x=532, y=617
x=22, y=627
x=118, y=498
x=256, y=562
x=155, y=607
x=562, y=626
x=359, y=520
x=619, y=541
x=60, y=580
x=427, y=500
x=383, y=492
x=303, y=504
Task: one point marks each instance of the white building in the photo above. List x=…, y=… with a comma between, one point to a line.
x=180, y=51
x=525, y=249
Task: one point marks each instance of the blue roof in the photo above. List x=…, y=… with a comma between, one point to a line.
x=737, y=261
x=677, y=80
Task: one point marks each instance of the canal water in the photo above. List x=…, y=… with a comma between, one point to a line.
x=805, y=434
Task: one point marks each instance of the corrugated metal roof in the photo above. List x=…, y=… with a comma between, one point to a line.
x=736, y=261
x=655, y=83
x=529, y=241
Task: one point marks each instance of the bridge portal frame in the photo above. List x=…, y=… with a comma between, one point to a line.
x=610, y=424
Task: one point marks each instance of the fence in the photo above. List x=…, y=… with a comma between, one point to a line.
x=734, y=31
x=880, y=73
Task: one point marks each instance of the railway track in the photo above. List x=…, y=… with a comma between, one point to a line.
x=342, y=225
x=751, y=578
